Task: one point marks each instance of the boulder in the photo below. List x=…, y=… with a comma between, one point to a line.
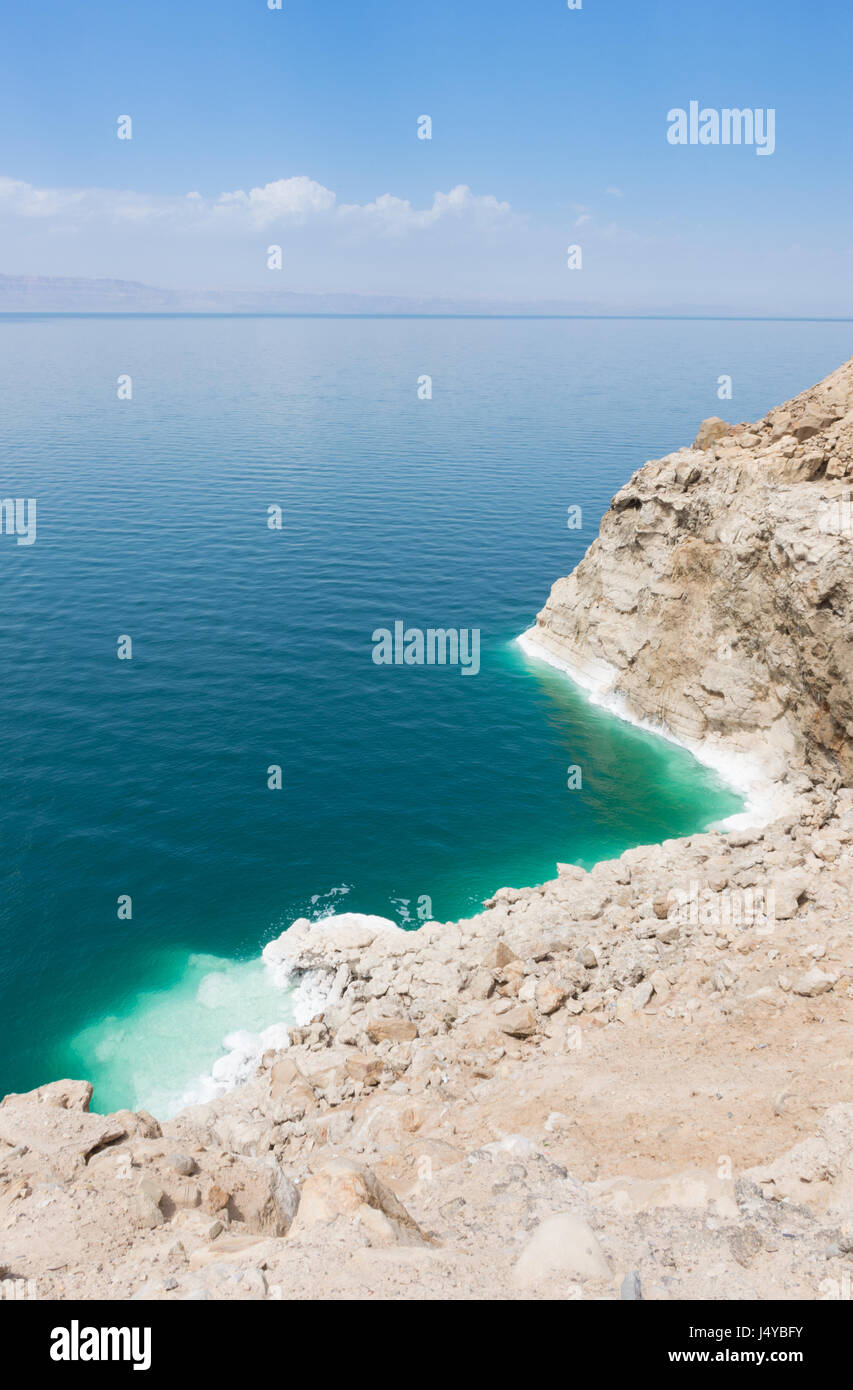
x=341, y=1189
x=64, y=1095
x=710, y=431
x=561, y=1245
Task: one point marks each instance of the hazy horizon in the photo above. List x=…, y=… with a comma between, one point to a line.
x=43, y=295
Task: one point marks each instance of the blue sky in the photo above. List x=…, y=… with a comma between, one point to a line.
x=554, y=119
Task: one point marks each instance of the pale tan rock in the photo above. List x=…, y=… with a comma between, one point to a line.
x=64, y=1095
x=498, y=956
x=549, y=994
x=710, y=431
x=65, y=1138
x=138, y=1122
x=815, y=981
x=562, y=1245
x=367, y=1070
x=341, y=1188
x=519, y=1021
x=695, y=1189
x=284, y=1073
x=392, y=1030
x=754, y=655
x=482, y=984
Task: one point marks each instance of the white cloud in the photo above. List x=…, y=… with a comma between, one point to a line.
x=26, y=201
x=392, y=216
x=283, y=202
x=459, y=240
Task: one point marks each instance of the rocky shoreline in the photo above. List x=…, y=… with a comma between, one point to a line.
x=635, y=1082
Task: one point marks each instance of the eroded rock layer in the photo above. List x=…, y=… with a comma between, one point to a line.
x=717, y=596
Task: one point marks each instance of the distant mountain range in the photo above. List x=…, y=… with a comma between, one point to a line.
x=55, y=294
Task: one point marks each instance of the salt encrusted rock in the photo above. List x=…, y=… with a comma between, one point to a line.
x=333, y=941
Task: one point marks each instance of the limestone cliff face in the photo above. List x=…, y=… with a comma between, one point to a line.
x=718, y=596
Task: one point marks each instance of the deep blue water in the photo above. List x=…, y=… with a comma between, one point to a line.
x=252, y=647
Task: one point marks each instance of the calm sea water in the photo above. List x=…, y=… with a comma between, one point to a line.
x=252, y=647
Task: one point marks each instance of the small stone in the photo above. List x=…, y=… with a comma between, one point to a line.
x=587, y=958
x=631, y=1289
x=624, y=1010
x=641, y=995
x=498, y=956
x=814, y=982
x=745, y=1243
x=181, y=1163
x=786, y=896
x=481, y=984
x=147, y=1214
x=392, y=1029
x=519, y=1022
x=217, y=1198
x=364, y=1069
x=149, y=1188
x=286, y=1080
x=548, y=995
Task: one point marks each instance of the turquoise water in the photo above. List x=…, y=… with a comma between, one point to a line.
x=252, y=647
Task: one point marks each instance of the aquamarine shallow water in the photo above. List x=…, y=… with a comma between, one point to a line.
x=253, y=647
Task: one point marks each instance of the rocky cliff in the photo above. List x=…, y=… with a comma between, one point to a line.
x=632, y=1082
x=717, y=598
